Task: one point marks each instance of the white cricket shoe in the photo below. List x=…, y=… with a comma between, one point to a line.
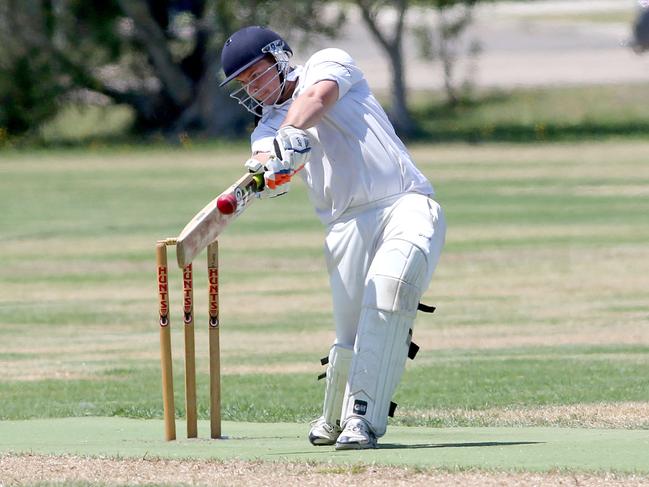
x=356, y=435
x=323, y=433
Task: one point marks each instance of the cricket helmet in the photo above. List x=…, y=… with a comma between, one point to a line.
x=247, y=46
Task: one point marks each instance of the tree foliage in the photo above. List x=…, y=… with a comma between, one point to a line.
x=440, y=39
x=161, y=57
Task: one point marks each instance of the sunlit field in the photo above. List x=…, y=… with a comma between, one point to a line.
x=541, y=292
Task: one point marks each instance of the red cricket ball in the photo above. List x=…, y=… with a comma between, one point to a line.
x=227, y=203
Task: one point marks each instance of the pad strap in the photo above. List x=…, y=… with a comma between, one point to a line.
x=424, y=308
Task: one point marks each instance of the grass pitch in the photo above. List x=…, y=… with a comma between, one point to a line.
x=531, y=449
x=541, y=290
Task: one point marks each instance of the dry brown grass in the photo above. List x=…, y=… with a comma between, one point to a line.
x=571, y=160
x=66, y=353
x=508, y=336
x=624, y=415
x=592, y=296
x=18, y=470
x=623, y=190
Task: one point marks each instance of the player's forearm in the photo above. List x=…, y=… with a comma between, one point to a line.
x=309, y=108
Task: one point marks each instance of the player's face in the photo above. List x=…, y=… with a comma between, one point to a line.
x=261, y=81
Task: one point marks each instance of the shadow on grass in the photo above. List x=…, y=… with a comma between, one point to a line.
x=416, y=446
x=523, y=133
x=437, y=120
x=399, y=446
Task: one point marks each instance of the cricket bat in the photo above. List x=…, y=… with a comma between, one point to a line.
x=210, y=222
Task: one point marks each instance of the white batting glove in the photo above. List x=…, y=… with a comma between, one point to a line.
x=277, y=176
x=292, y=145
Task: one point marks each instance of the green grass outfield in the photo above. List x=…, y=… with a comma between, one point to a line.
x=563, y=113
x=540, y=333
x=533, y=449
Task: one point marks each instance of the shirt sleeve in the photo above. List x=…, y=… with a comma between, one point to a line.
x=331, y=64
x=261, y=139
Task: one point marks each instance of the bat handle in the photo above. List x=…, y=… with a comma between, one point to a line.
x=258, y=182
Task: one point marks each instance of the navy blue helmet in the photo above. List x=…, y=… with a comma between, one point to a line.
x=247, y=46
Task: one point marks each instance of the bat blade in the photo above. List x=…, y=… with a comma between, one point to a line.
x=209, y=223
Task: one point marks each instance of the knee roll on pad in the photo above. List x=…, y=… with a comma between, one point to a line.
x=397, y=279
x=340, y=359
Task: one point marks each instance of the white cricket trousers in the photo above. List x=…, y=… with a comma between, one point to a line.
x=352, y=242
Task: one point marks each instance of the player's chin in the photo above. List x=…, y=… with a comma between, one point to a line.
x=269, y=98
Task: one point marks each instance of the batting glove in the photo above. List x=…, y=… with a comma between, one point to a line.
x=292, y=146
x=277, y=176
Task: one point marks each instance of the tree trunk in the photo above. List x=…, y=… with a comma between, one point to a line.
x=392, y=45
x=399, y=113
x=212, y=111
x=177, y=85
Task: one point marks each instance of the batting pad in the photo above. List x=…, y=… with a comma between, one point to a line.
x=397, y=279
x=340, y=359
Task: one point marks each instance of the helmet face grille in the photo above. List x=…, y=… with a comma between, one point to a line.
x=245, y=95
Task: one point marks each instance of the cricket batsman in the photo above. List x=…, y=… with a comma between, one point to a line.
x=384, y=232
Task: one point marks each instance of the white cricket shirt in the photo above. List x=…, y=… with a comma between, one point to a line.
x=356, y=157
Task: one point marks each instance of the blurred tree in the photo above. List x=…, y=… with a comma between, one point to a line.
x=640, y=42
x=28, y=91
x=161, y=57
x=441, y=38
x=389, y=32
